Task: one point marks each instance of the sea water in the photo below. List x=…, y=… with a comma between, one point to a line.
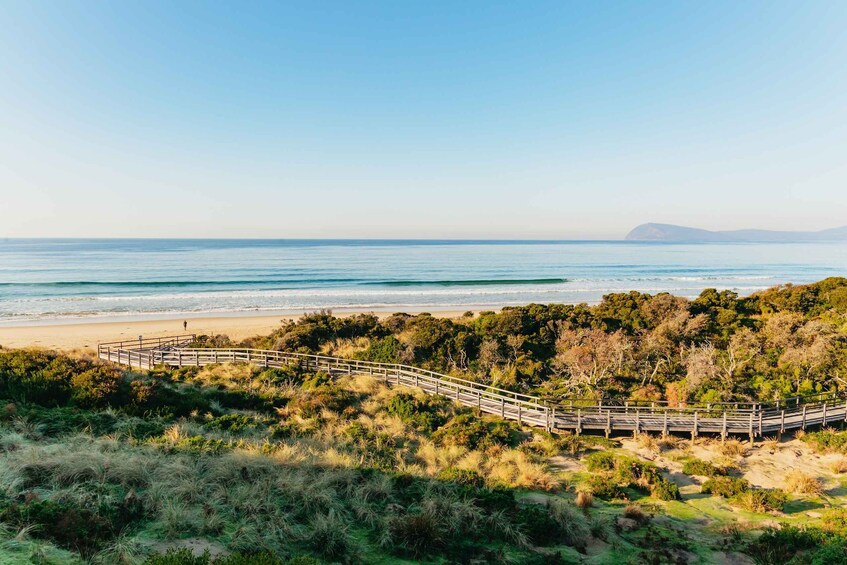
x=68, y=279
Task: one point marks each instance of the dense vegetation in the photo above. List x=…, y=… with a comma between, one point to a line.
x=776, y=344
x=284, y=466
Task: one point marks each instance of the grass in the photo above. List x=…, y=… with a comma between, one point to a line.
x=347, y=470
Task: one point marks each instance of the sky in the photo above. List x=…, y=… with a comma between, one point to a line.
x=542, y=120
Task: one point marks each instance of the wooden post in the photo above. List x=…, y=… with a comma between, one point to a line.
x=824, y=414
x=608, y=423
x=751, y=428
x=637, y=423
x=578, y=421
x=665, y=425
x=502, y=407
x=694, y=429
x=478, y=400
x=520, y=422
x=803, y=423
x=760, y=419
x=723, y=428
x=782, y=422
x=553, y=420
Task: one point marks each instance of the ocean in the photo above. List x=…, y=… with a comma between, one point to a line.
x=69, y=279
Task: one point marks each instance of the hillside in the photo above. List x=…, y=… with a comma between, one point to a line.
x=669, y=232
x=272, y=466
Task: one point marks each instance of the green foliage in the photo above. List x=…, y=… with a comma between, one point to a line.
x=702, y=468
x=611, y=474
x=557, y=524
x=385, y=350
x=606, y=487
x=600, y=461
x=663, y=489
x=726, y=487
x=464, y=477
x=320, y=393
x=231, y=423
x=761, y=500
x=827, y=441
x=71, y=526
x=780, y=546
x=467, y=430
x=425, y=414
x=186, y=557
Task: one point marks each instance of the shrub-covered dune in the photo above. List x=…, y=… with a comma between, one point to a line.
x=235, y=464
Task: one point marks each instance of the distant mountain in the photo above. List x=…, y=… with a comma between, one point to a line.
x=669, y=232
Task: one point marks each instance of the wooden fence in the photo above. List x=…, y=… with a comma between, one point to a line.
x=737, y=418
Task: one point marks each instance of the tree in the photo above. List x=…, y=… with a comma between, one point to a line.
x=588, y=359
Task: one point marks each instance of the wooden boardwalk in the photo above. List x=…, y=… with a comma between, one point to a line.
x=748, y=419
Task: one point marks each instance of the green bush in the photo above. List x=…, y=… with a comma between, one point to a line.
x=38, y=377
x=600, y=461
x=230, y=423
x=726, y=487
x=467, y=430
x=827, y=441
x=761, y=500
x=385, y=350
x=701, y=468
x=605, y=487
x=832, y=553
x=663, y=489
x=780, y=546
x=425, y=414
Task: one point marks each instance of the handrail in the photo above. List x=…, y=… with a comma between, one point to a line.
x=753, y=419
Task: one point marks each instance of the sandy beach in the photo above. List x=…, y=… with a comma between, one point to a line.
x=86, y=335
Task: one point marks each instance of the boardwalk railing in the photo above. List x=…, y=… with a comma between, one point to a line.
x=751, y=419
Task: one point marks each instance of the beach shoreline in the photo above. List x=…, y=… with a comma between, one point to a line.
x=84, y=335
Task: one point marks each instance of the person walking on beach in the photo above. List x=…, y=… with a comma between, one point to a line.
x=185, y=325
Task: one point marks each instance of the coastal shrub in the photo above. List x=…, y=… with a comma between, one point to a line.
x=614, y=473
x=761, y=500
x=319, y=394
x=663, y=489
x=827, y=441
x=472, y=432
x=600, y=461
x=425, y=414
x=385, y=350
x=37, y=377
x=606, y=487
x=701, y=468
x=230, y=423
x=99, y=387
x=726, y=487
x=777, y=546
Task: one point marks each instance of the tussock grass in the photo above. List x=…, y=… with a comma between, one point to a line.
x=798, y=482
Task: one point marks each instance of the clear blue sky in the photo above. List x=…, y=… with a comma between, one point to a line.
x=428, y=119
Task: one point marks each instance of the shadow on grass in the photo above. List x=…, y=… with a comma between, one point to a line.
x=798, y=506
